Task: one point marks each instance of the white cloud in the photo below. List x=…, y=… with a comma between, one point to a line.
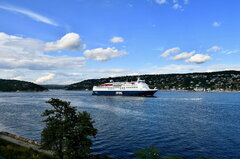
x=20, y=78
x=100, y=54
x=61, y=76
x=32, y=15
x=24, y=59
x=186, y=1
x=161, y=1
x=25, y=53
x=222, y=67
x=70, y=41
x=74, y=74
x=175, y=69
x=133, y=74
x=177, y=6
x=117, y=39
x=169, y=51
x=228, y=52
x=58, y=77
x=105, y=70
x=190, y=68
x=183, y=55
x=216, y=24
x=11, y=74
x=47, y=77
x=214, y=49
x=175, y=1
x=198, y=59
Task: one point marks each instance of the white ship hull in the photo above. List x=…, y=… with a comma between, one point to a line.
x=126, y=93
x=137, y=88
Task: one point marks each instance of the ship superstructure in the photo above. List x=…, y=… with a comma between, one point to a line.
x=135, y=88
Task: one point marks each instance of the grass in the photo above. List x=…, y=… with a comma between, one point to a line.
x=9, y=150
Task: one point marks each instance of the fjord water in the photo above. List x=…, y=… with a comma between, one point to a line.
x=180, y=123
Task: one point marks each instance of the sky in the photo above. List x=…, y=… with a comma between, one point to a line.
x=67, y=41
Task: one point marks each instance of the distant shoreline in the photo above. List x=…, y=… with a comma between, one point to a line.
x=22, y=91
x=160, y=90
x=223, y=81
x=212, y=91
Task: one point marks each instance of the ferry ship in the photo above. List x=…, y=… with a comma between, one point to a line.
x=136, y=88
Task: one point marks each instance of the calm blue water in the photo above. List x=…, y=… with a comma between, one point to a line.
x=180, y=123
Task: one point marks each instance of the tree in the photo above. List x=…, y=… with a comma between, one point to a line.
x=67, y=131
x=148, y=153
x=153, y=153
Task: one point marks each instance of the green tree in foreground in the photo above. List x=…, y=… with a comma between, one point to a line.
x=148, y=153
x=153, y=153
x=67, y=131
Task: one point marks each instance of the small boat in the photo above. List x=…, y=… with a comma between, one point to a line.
x=135, y=88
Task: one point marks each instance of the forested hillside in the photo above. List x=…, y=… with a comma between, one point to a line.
x=15, y=85
x=214, y=81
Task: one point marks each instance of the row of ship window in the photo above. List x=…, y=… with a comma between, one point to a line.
x=129, y=87
x=122, y=87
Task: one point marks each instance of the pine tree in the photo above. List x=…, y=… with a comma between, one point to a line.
x=67, y=131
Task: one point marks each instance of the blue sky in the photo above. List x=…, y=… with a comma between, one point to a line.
x=64, y=41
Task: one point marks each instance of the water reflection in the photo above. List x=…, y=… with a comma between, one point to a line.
x=181, y=123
